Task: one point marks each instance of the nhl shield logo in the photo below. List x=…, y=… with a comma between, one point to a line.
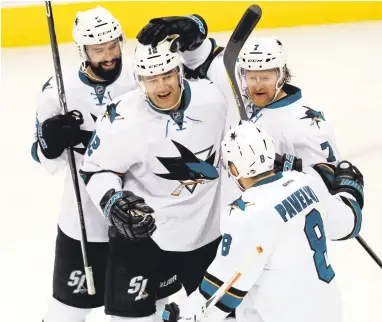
x=99, y=89
x=177, y=116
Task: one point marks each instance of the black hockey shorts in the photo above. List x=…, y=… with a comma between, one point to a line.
x=69, y=283
x=140, y=273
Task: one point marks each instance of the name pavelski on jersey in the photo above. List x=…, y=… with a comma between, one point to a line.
x=189, y=169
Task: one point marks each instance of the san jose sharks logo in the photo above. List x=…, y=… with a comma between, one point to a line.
x=188, y=168
x=111, y=113
x=315, y=116
x=239, y=204
x=47, y=85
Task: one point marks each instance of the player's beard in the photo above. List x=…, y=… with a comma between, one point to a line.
x=109, y=75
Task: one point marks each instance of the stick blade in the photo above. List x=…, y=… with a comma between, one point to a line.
x=243, y=30
x=241, y=33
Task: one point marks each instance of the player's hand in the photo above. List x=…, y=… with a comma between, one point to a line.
x=349, y=179
x=192, y=31
x=59, y=132
x=129, y=214
x=171, y=312
x=344, y=177
x=287, y=162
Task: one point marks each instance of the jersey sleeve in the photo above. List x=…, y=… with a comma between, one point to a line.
x=315, y=143
x=110, y=154
x=248, y=240
x=343, y=216
x=48, y=106
x=216, y=72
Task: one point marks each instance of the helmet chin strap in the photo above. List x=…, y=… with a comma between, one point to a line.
x=278, y=87
x=143, y=89
x=236, y=179
x=85, y=63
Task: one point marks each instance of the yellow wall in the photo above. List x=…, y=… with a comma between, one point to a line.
x=27, y=26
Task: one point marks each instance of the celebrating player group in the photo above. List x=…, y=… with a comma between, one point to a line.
x=179, y=191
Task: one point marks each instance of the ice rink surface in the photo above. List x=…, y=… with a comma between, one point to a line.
x=339, y=69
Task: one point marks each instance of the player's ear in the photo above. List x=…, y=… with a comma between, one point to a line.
x=233, y=169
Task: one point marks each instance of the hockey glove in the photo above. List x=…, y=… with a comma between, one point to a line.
x=171, y=312
x=343, y=178
x=58, y=133
x=287, y=162
x=192, y=31
x=129, y=214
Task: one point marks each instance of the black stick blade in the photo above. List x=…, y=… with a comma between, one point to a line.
x=240, y=35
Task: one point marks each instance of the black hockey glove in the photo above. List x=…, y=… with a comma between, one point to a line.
x=192, y=31
x=287, y=162
x=343, y=178
x=171, y=312
x=129, y=214
x=58, y=133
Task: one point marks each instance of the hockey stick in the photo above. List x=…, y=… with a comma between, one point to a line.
x=372, y=254
x=224, y=289
x=70, y=152
x=238, y=38
x=240, y=35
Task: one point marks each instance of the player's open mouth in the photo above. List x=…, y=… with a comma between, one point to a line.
x=164, y=96
x=108, y=64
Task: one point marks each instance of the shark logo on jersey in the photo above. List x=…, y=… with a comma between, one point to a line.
x=188, y=169
x=47, y=85
x=111, y=113
x=239, y=204
x=313, y=115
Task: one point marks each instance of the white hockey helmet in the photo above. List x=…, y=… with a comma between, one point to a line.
x=152, y=61
x=250, y=149
x=262, y=53
x=95, y=26
x=149, y=61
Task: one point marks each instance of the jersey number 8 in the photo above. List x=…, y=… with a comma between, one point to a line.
x=314, y=231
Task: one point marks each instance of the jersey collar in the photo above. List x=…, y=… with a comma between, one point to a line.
x=293, y=95
x=270, y=179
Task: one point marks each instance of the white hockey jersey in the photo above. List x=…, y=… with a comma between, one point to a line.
x=170, y=158
x=91, y=100
x=298, y=128
x=275, y=234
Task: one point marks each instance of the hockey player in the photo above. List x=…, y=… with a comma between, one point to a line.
x=271, y=101
x=274, y=238
x=102, y=77
x=156, y=149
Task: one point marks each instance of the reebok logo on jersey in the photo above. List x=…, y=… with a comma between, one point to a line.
x=188, y=169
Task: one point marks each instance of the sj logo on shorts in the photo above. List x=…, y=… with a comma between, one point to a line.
x=138, y=286
x=77, y=279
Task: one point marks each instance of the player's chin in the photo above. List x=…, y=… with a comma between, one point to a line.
x=165, y=100
x=260, y=100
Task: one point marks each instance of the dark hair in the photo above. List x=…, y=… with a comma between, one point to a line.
x=288, y=75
